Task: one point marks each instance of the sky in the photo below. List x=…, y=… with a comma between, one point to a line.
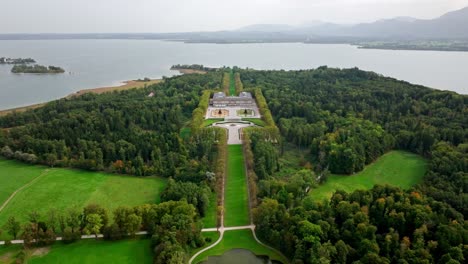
x=109, y=16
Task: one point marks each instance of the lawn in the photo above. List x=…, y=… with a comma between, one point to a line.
x=98, y=251
x=396, y=168
x=236, y=203
x=232, y=84
x=239, y=239
x=256, y=121
x=60, y=189
x=13, y=175
x=209, y=122
x=209, y=220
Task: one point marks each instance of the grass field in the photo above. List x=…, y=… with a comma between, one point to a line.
x=396, y=168
x=239, y=239
x=210, y=216
x=236, y=211
x=94, y=252
x=232, y=84
x=64, y=188
x=13, y=175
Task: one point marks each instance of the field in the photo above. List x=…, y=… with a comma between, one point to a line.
x=92, y=251
x=210, y=216
x=13, y=175
x=236, y=201
x=64, y=188
x=239, y=239
x=397, y=168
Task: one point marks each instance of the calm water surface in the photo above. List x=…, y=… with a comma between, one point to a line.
x=95, y=63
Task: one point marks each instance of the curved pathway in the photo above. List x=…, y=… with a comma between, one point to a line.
x=21, y=188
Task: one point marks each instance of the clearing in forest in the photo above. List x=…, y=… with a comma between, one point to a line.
x=59, y=189
x=236, y=199
x=398, y=168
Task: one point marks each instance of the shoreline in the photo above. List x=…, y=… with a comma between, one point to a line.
x=125, y=85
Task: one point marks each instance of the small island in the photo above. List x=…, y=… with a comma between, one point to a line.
x=23, y=68
x=4, y=60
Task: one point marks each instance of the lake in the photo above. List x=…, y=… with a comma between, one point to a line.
x=96, y=63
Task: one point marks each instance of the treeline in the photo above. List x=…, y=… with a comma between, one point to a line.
x=125, y=132
x=226, y=83
x=238, y=83
x=198, y=67
x=173, y=227
x=381, y=225
x=4, y=60
x=23, y=68
x=270, y=131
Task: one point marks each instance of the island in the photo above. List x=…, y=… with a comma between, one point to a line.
x=23, y=68
x=4, y=60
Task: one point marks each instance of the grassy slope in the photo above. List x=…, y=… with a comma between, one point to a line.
x=239, y=239
x=13, y=175
x=63, y=188
x=92, y=251
x=397, y=168
x=256, y=121
x=235, y=198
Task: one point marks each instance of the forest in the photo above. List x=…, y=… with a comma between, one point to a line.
x=343, y=119
x=346, y=119
x=132, y=133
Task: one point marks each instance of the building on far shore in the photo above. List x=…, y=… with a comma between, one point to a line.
x=244, y=99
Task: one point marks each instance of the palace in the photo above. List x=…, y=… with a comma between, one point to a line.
x=244, y=99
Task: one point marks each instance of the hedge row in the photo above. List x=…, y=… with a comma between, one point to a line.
x=238, y=83
x=220, y=169
x=251, y=176
x=270, y=130
x=226, y=82
x=198, y=115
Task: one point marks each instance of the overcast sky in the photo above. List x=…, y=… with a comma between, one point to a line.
x=74, y=16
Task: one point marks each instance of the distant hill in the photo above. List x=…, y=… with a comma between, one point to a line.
x=450, y=26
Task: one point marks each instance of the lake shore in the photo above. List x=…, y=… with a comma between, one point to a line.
x=132, y=84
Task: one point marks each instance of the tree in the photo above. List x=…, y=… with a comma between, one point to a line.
x=74, y=219
x=94, y=224
x=13, y=226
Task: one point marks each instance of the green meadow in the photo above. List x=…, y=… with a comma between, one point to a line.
x=398, y=168
x=98, y=251
x=60, y=189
